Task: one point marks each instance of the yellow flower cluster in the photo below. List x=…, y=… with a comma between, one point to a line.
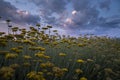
x=6, y=73
x=27, y=57
x=16, y=50
x=46, y=65
x=78, y=71
x=62, y=54
x=14, y=66
x=29, y=42
x=35, y=75
x=83, y=78
x=11, y=56
x=37, y=48
x=42, y=55
x=80, y=61
x=58, y=72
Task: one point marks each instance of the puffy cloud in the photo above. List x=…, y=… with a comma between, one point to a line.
x=74, y=12
x=9, y=11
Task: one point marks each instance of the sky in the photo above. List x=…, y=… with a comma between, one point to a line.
x=69, y=17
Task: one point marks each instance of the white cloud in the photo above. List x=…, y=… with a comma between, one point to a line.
x=23, y=12
x=69, y=21
x=74, y=12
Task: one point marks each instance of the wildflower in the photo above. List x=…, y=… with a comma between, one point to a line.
x=35, y=75
x=18, y=51
x=11, y=56
x=47, y=64
x=55, y=43
x=43, y=65
x=78, y=71
x=49, y=73
x=90, y=60
x=80, y=61
x=58, y=72
x=108, y=70
x=14, y=49
x=14, y=66
x=83, y=78
x=27, y=57
x=65, y=69
x=39, y=55
x=62, y=54
x=6, y=73
x=47, y=57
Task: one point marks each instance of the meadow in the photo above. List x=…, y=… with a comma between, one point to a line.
x=37, y=55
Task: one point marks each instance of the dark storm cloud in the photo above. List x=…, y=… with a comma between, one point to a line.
x=49, y=7
x=9, y=11
x=105, y=4
x=81, y=4
x=111, y=22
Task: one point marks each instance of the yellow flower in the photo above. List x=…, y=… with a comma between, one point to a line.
x=81, y=45
x=39, y=55
x=89, y=60
x=65, y=69
x=14, y=66
x=62, y=54
x=18, y=51
x=47, y=64
x=80, y=61
x=49, y=73
x=83, y=78
x=6, y=73
x=58, y=72
x=109, y=70
x=47, y=57
x=35, y=75
x=11, y=56
x=78, y=71
x=27, y=57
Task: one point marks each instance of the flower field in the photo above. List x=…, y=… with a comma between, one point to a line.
x=36, y=55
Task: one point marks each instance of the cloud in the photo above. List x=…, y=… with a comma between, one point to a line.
x=80, y=4
x=9, y=11
x=74, y=12
x=51, y=6
x=111, y=22
x=105, y=4
x=74, y=16
x=52, y=11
